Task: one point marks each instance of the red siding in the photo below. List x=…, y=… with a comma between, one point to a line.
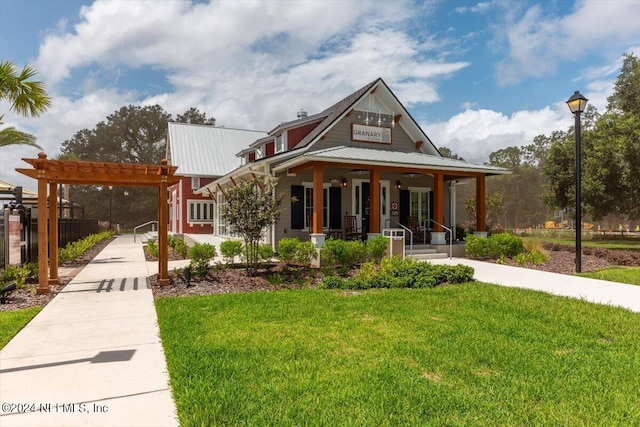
x=252, y=157
x=269, y=149
x=295, y=135
x=187, y=194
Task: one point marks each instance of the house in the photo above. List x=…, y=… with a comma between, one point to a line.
x=203, y=154
x=363, y=157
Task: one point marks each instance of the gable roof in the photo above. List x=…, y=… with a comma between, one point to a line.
x=200, y=150
x=340, y=109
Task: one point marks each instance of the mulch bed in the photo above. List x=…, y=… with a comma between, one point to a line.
x=232, y=279
x=27, y=297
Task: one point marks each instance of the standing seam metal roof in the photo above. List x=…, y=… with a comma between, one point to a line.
x=200, y=150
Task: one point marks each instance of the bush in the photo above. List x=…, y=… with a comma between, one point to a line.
x=377, y=247
x=356, y=253
x=476, y=246
x=201, y=254
x=152, y=248
x=178, y=245
x=265, y=252
x=305, y=252
x=13, y=273
x=230, y=249
x=397, y=273
x=504, y=244
x=287, y=249
x=76, y=249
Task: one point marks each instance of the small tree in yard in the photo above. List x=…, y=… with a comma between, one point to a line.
x=251, y=207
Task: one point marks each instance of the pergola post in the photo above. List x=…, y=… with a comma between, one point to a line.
x=43, y=270
x=163, y=256
x=53, y=234
x=317, y=233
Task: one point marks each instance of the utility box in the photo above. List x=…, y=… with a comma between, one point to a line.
x=395, y=246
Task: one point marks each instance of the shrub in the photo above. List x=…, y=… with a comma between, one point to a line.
x=76, y=249
x=152, y=248
x=476, y=246
x=504, y=244
x=230, y=249
x=287, y=249
x=265, y=252
x=13, y=273
x=333, y=252
x=275, y=279
x=356, y=252
x=201, y=254
x=332, y=282
x=305, y=252
x=178, y=245
x=377, y=247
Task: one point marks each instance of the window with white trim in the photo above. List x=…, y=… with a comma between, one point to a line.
x=260, y=152
x=419, y=203
x=280, y=143
x=195, y=182
x=308, y=204
x=200, y=211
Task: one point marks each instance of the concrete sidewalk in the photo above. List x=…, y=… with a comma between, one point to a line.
x=93, y=355
x=592, y=290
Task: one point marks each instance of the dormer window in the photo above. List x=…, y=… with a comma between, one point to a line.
x=281, y=143
x=260, y=152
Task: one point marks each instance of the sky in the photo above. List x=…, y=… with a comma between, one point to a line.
x=476, y=76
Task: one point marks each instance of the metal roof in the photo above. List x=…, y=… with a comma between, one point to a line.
x=200, y=150
x=369, y=156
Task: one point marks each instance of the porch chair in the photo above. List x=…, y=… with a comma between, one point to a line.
x=351, y=228
x=414, y=225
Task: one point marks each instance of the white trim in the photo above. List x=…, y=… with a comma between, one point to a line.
x=195, y=182
x=203, y=209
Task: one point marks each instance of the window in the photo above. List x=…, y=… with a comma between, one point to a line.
x=260, y=152
x=222, y=228
x=281, y=143
x=195, y=182
x=419, y=204
x=308, y=204
x=200, y=211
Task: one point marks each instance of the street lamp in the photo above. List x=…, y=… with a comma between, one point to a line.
x=577, y=103
x=110, y=204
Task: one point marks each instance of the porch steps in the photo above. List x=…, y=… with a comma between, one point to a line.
x=425, y=252
x=149, y=235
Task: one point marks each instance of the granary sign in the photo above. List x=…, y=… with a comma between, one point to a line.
x=370, y=134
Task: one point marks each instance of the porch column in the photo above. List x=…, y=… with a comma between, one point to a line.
x=480, y=204
x=374, y=197
x=43, y=270
x=317, y=234
x=163, y=256
x=438, y=236
x=53, y=234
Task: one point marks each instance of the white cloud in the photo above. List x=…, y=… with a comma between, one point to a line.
x=537, y=42
x=474, y=134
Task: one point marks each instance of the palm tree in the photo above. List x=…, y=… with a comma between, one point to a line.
x=27, y=98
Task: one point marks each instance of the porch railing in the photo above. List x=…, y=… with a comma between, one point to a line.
x=143, y=225
x=446, y=228
x=389, y=220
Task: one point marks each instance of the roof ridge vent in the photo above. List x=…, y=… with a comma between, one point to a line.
x=302, y=114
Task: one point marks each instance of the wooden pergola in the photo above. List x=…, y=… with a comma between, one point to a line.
x=54, y=172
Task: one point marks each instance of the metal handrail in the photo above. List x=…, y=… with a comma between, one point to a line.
x=410, y=233
x=450, y=234
x=142, y=225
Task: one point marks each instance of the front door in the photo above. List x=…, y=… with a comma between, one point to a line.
x=361, y=203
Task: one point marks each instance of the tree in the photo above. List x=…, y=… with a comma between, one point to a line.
x=610, y=145
x=27, y=98
x=195, y=117
x=446, y=152
x=250, y=208
x=493, y=210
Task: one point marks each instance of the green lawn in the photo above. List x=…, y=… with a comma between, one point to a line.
x=472, y=354
x=630, y=244
x=12, y=321
x=630, y=275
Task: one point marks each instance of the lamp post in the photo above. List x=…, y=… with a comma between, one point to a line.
x=577, y=103
x=110, y=204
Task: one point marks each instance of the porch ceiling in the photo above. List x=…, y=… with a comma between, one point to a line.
x=390, y=160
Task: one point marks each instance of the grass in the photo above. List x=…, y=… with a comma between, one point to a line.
x=11, y=322
x=629, y=244
x=629, y=275
x=472, y=354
